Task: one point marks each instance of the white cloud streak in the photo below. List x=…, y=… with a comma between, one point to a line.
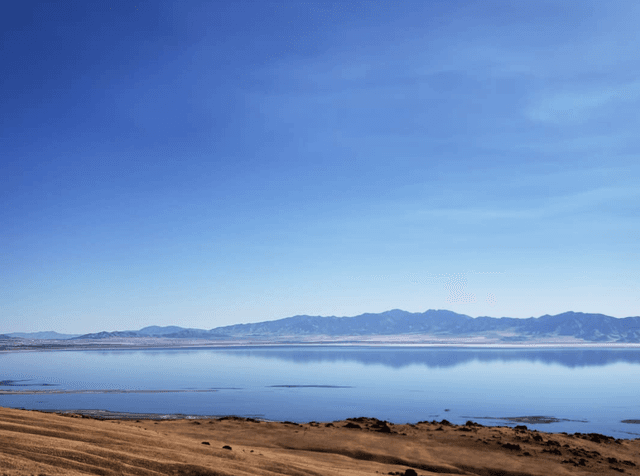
x=554, y=207
x=575, y=107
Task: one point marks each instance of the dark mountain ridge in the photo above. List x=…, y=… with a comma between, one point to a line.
x=439, y=323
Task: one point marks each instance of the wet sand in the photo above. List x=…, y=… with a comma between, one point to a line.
x=39, y=443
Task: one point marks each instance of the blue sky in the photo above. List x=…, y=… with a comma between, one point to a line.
x=209, y=163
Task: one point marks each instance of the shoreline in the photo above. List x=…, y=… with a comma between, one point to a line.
x=104, y=391
x=37, y=442
x=121, y=346
x=488, y=421
x=108, y=415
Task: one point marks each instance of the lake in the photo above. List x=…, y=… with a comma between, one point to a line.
x=587, y=390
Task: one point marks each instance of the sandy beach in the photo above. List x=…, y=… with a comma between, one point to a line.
x=38, y=443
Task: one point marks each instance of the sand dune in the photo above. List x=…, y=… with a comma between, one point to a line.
x=37, y=443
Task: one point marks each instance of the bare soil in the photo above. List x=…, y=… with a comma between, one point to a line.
x=38, y=443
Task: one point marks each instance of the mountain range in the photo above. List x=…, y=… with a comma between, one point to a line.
x=437, y=323
x=41, y=335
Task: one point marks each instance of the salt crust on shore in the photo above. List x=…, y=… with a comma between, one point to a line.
x=37, y=443
x=421, y=341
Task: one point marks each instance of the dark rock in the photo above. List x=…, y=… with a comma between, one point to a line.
x=226, y=447
x=381, y=426
x=521, y=427
x=511, y=446
x=206, y=443
x=553, y=451
x=351, y=425
x=410, y=472
x=359, y=419
x=598, y=438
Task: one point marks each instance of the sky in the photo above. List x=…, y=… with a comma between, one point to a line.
x=205, y=163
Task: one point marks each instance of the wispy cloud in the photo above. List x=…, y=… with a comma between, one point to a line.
x=556, y=206
x=575, y=107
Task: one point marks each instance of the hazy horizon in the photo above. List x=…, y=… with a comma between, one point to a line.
x=203, y=164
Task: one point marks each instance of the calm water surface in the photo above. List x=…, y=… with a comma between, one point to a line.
x=593, y=389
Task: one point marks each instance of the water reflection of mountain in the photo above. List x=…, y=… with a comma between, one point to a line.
x=442, y=358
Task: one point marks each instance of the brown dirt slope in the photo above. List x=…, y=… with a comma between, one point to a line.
x=35, y=443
